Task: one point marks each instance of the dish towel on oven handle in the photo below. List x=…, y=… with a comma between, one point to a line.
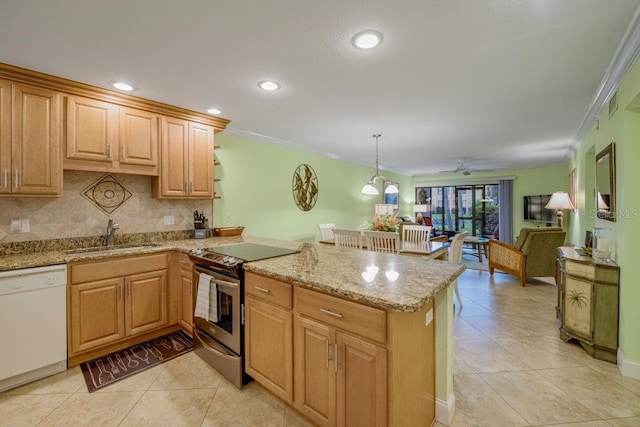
x=206, y=299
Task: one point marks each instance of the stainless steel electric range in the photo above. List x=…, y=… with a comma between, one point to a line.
x=218, y=301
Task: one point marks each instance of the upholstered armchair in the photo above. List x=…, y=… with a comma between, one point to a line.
x=533, y=255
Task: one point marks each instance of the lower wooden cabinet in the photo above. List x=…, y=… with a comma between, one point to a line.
x=341, y=379
x=269, y=346
x=349, y=364
x=97, y=314
x=185, y=291
x=116, y=299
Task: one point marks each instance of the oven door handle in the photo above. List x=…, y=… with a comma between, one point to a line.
x=224, y=283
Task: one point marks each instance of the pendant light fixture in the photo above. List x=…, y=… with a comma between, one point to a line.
x=369, y=188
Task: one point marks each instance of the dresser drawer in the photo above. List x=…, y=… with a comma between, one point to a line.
x=360, y=319
x=579, y=270
x=268, y=289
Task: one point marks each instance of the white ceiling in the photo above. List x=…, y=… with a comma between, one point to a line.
x=503, y=83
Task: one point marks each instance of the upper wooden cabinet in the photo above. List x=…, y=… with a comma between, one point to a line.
x=91, y=130
x=138, y=138
x=48, y=123
x=30, y=159
x=104, y=137
x=186, y=160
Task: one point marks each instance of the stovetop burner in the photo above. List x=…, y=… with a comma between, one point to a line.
x=229, y=258
x=250, y=251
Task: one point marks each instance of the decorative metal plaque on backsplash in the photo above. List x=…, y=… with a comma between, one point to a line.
x=107, y=193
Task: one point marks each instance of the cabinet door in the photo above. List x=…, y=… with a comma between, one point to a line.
x=315, y=371
x=36, y=156
x=146, y=305
x=174, y=175
x=97, y=314
x=577, y=304
x=185, y=309
x=361, y=389
x=138, y=137
x=269, y=347
x=92, y=130
x=201, y=160
x=5, y=137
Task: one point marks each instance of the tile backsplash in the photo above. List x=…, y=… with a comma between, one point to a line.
x=72, y=215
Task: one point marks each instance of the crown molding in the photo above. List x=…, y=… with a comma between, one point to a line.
x=299, y=147
x=625, y=57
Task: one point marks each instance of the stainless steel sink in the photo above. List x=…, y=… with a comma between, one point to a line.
x=105, y=249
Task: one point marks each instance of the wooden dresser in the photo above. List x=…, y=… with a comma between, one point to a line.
x=588, y=302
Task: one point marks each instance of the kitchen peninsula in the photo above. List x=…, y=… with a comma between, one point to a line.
x=345, y=335
x=365, y=318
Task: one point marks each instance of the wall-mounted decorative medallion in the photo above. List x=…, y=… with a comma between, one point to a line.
x=107, y=193
x=305, y=187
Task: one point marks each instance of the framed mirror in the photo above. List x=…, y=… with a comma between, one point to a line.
x=606, y=183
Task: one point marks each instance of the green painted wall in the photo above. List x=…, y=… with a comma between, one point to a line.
x=623, y=128
x=256, y=190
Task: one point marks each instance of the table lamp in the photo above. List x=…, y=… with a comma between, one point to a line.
x=559, y=201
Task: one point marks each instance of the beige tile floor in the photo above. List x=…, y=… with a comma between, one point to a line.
x=510, y=369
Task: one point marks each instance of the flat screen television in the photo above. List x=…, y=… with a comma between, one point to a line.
x=534, y=209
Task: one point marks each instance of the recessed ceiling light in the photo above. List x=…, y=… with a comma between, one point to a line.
x=367, y=39
x=213, y=111
x=269, y=85
x=123, y=86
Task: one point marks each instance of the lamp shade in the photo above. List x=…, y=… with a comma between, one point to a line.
x=419, y=208
x=391, y=189
x=369, y=189
x=560, y=200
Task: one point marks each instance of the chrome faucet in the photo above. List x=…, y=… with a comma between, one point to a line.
x=111, y=232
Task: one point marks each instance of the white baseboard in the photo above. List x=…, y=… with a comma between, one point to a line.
x=446, y=410
x=628, y=368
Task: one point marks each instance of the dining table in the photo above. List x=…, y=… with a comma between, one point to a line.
x=431, y=250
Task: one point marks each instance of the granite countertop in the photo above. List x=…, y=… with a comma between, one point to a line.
x=396, y=282
x=47, y=254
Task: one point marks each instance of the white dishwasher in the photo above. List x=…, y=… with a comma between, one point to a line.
x=33, y=324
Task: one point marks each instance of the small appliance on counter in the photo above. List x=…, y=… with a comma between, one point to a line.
x=200, y=225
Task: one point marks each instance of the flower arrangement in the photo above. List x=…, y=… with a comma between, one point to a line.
x=384, y=223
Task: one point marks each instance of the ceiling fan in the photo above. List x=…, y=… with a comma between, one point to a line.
x=465, y=170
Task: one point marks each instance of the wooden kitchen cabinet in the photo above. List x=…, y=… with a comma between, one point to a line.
x=352, y=364
x=185, y=305
x=97, y=314
x=105, y=137
x=269, y=334
x=116, y=299
x=588, y=303
x=341, y=378
x=186, y=160
x=139, y=138
x=91, y=130
x=30, y=154
x=146, y=302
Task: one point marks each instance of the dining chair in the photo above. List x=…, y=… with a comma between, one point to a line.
x=416, y=233
x=326, y=231
x=455, y=255
x=382, y=241
x=347, y=238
